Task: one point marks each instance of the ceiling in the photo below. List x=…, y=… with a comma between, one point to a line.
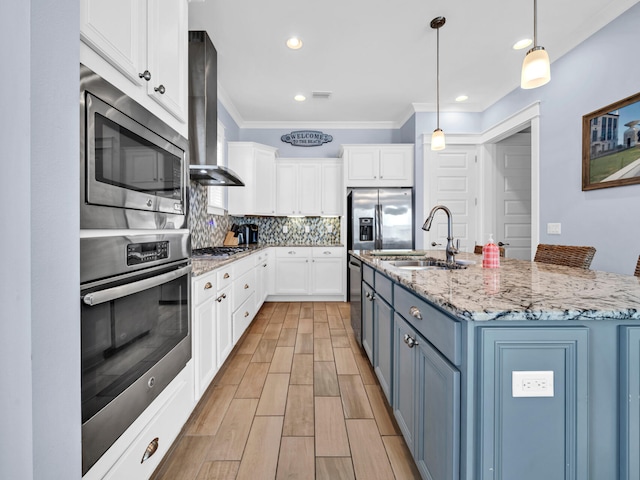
x=378, y=57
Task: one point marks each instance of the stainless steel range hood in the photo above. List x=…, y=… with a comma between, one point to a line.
x=203, y=114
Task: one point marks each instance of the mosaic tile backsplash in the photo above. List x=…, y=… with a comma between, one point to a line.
x=209, y=230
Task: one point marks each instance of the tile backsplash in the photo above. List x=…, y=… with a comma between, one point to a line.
x=210, y=230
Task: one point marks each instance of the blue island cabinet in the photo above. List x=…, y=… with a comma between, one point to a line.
x=630, y=403
x=533, y=437
x=426, y=403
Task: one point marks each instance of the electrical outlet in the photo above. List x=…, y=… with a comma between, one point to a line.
x=553, y=228
x=329, y=228
x=285, y=229
x=532, y=384
x=306, y=229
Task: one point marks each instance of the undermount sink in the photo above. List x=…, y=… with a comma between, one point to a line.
x=426, y=264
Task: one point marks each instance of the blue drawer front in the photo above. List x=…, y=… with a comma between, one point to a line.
x=384, y=287
x=441, y=330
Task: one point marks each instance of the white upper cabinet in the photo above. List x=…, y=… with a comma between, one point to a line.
x=146, y=41
x=255, y=165
x=298, y=188
x=378, y=165
x=168, y=55
x=309, y=187
x=332, y=188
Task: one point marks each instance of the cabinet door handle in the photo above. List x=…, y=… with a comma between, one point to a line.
x=226, y=275
x=146, y=75
x=265, y=265
x=406, y=338
x=246, y=285
x=367, y=294
x=415, y=312
x=246, y=314
x=372, y=297
x=411, y=342
x=151, y=449
x=160, y=89
x=221, y=297
x=208, y=285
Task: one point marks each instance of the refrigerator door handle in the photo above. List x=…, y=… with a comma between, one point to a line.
x=378, y=221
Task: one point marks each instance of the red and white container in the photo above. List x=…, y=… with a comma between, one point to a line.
x=490, y=254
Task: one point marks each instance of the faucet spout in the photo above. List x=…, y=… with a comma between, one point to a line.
x=451, y=250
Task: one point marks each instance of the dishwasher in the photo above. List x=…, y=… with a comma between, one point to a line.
x=355, y=296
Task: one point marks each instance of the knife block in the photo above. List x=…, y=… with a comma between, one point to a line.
x=230, y=240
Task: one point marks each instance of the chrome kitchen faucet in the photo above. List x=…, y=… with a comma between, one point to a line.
x=451, y=250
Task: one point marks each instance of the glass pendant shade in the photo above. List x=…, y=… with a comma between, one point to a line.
x=437, y=140
x=536, y=70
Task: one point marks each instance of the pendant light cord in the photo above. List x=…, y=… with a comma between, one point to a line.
x=438, y=78
x=535, y=23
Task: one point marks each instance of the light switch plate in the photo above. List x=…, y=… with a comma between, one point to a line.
x=554, y=228
x=532, y=383
x=306, y=229
x=285, y=229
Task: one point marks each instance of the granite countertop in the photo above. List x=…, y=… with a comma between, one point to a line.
x=519, y=290
x=200, y=266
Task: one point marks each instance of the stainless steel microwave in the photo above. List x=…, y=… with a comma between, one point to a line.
x=134, y=167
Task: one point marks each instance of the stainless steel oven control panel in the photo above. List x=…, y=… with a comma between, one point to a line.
x=138, y=253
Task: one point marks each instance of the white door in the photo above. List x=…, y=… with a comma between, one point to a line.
x=309, y=188
x=451, y=180
x=513, y=199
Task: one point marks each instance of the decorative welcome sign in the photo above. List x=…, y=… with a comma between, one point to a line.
x=306, y=138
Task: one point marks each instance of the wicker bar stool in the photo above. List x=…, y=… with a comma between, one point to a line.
x=568, y=255
x=478, y=249
x=637, y=272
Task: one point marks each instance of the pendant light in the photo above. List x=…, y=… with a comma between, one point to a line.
x=437, y=139
x=536, y=70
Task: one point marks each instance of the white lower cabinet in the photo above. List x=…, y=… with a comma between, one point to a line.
x=243, y=316
x=224, y=325
x=263, y=276
x=204, y=332
x=306, y=271
x=159, y=424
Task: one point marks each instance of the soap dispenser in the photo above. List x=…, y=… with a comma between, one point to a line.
x=490, y=254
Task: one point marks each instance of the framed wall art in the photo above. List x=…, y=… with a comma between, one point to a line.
x=611, y=145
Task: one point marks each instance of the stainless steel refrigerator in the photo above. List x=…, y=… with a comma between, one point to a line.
x=380, y=218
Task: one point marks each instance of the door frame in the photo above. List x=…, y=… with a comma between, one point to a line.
x=527, y=117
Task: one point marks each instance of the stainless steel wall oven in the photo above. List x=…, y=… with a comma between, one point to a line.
x=135, y=328
x=135, y=267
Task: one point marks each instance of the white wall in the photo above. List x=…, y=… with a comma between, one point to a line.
x=15, y=295
x=40, y=337
x=598, y=72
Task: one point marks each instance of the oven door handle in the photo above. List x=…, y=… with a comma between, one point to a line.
x=102, y=296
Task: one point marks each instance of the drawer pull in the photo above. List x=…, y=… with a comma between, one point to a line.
x=151, y=449
x=415, y=312
x=246, y=314
x=326, y=252
x=226, y=275
x=291, y=252
x=265, y=265
x=246, y=285
x=208, y=285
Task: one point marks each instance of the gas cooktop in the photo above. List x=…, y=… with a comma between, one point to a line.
x=217, y=252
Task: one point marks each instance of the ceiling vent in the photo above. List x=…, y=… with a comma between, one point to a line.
x=322, y=95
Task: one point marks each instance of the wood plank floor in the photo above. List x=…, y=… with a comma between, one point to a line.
x=297, y=399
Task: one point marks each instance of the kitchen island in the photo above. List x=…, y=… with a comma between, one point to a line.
x=528, y=371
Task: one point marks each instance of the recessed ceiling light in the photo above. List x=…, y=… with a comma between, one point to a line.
x=462, y=98
x=294, y=43
x=299, y=98
x=524, y=43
